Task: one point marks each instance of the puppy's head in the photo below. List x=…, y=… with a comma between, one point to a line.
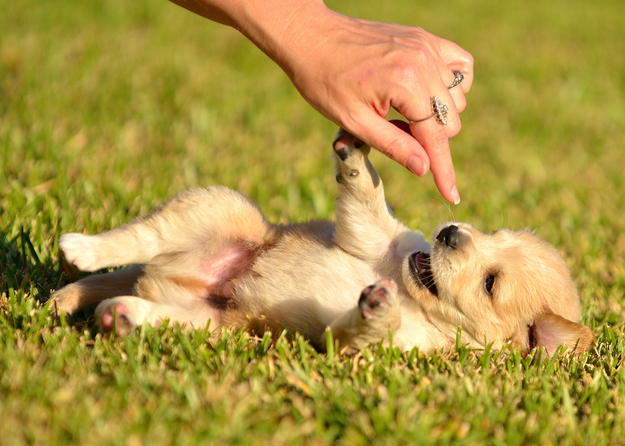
x=509, y=286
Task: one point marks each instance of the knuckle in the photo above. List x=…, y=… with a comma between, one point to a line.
x=461, y=103
x=468, y=60
x=409, y=69
x=393, y=148
x=438, y=142
x=453, y=128
x=422, y=52
x=406, y=73
x=423, y=56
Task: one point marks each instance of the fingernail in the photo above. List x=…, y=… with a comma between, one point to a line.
x=455, y=195
x=416, y=166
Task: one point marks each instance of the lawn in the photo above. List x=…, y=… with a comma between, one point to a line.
x=107, y=108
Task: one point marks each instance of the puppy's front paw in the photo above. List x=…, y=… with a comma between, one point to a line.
x=353, y=169
x=345, y=144
x=79, y=251
x=378, y=301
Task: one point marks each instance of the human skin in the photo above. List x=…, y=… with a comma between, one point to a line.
x=353, y=71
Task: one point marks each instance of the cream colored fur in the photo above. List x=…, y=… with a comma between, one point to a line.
x=209, y=256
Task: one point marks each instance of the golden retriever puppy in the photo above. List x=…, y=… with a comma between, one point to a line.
x=208, y=256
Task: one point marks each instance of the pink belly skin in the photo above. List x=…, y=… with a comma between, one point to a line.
x=218, y=271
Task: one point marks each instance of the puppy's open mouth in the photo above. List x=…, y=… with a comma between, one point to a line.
x=421, y=271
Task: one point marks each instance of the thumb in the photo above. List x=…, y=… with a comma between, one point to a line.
x=393, y=140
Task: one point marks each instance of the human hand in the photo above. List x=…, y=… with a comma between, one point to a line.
x=354, y=71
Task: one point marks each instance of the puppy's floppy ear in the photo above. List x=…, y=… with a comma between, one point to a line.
x=550, y=331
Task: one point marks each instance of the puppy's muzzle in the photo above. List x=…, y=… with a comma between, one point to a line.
x=449, y=236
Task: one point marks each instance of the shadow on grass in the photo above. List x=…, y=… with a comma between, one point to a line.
x=25, y=270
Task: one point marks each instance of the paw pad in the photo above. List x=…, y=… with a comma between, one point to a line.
x=115, y=319
x=376, y=300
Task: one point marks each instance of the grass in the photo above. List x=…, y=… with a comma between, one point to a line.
x=108, y=108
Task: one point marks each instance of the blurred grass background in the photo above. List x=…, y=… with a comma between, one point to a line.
x=107, y=108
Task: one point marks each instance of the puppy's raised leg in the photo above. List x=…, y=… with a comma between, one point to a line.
x=366, y=226
x=377, y=314
x=216, y=215
x=198, y=238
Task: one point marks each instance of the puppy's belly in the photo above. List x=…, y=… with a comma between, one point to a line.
x=209, y=278
x=303, y=289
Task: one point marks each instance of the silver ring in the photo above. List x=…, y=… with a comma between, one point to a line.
x=439, y=111
x=458, y=77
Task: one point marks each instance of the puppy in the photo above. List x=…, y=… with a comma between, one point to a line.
x=209, y=257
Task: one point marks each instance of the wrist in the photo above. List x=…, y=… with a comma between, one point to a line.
x=282, y=28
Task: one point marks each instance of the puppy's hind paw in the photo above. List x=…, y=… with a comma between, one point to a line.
x=378, y=301
x=78, y=251
x=115, y=318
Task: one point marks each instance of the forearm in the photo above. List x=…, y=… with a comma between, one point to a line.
x=274, y=26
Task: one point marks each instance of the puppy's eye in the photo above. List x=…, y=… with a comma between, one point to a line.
x=489, y=283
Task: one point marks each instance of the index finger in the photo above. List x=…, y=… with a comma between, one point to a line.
x=435, y=142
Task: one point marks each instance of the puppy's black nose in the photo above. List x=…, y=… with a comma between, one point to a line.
x=449, y=236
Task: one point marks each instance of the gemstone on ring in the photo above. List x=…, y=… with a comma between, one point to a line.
x=439, y=111
x=458, y=77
